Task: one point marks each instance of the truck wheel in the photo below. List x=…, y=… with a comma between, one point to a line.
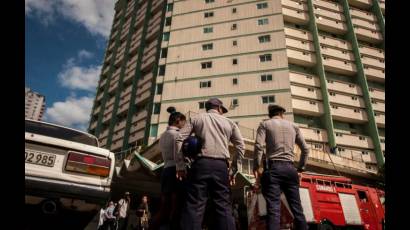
x=325, y=226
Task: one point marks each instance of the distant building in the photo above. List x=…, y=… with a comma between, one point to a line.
x=34, y=105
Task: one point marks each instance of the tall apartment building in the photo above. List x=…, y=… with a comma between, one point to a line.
x=34, y=105
x=322, y=60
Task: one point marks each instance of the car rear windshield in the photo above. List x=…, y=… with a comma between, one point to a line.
x=60, y=132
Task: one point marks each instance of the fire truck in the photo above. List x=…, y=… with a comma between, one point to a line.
x=329, y=203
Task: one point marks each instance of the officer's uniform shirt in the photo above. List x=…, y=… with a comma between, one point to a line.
x=215, y=131
x=280, y=137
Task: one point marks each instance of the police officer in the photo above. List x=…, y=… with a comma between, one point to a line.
x=209, y=171
x=279, y=173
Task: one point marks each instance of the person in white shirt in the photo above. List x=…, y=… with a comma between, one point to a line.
x=124, y=206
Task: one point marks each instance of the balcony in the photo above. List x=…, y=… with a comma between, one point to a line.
x=97, y=110
x=374, y=74
x=312, y=108
x=100, y=96
x=103, y=142
x=300, y=44
x=134, y=137
x=104, y=133
x=330, y=14
x=374, y=62
x=362, y=4
x=378, y=53
x=344, y=99
x=123, y=108
x=378, y=106
x=342, y=54
x=156, y=5
x=362, y=14
x=116, y=145
x=128, y=76
x=107, y=118
x=139, y=116
x=296, y=5
x=145, y=78
x=338, y=43
x=297, y=33
x=147, y=63
x=126, y=91
x=339, y=66
x=367, y=35
x=93, y=125
x=331, y=25
x=125, y=99
x=328, y=5
x=365, y=24
x=321, y=159
x=304, y=79
x=306, y=92
x=153, y=33
x=380, y=120
x=344, y=87
x=377, y=94
x=102, y=83
x=113, y=86
x=349, y=115
x=295, y=16
x=313, y=134
x=118, y=135
x=300, y=57
x=353, y=140
x=138, y=126
x=106, y=69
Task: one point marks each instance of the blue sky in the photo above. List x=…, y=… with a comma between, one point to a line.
x=64, y=46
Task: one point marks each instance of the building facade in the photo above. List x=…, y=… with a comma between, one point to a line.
x=322, y=60
x=35, y=104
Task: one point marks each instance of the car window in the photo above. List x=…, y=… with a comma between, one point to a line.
x=60, y=132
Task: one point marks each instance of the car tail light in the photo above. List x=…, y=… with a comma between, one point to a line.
x=88, y=164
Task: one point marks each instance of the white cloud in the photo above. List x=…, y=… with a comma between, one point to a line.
x=73, y=112
x=82, y=78
x=84, y=54
x=76, y=77
x=95, y=15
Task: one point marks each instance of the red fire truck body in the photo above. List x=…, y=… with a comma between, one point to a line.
x=333, y=202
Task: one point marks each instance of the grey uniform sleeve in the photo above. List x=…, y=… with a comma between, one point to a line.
x=179, y=157
x=259, y=144
x=239, y=144
x=300, y=141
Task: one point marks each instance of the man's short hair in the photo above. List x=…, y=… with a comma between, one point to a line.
x=275, y=110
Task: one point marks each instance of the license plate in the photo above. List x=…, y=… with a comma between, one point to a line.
x=40, y=158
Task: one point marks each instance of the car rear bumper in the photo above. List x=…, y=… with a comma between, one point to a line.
x=54, y=189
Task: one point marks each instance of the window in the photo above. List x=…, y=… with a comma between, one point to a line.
x=356, y=110
x=208, y=30
x=161, y=71
x=332, y=94
x=164, y=53
x=206, y=65
x=264, y=38
x=170, y=7
x=361, y=138
x=209, y=1
x=310, y=89
x=339, y=135
x=265, y=57
x=341, y=149
x=209, y=14
x=354, y=98
x=153, y=130
x=268, y=99
x=365, y=153
x=209, y=46
x=233, y=10
x=235, y=102
x=159, y=88
x=335, y=107
x=263, y=21
x=312, y=102
x=266, y=77
x=202, y=105
x=235, y=81
x=262, y=5
x=165, y=36
x=234, y=26
x=234, y=61
x=330, y=81
x=234, y=42
x=351, y=86
x=157, y=108
x=168, y=21
x=205, y=84
x=309, y=77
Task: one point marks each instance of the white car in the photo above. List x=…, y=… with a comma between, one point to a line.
x=65, y=168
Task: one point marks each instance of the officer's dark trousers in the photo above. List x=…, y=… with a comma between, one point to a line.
x=207, y=176
x=281, y=176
